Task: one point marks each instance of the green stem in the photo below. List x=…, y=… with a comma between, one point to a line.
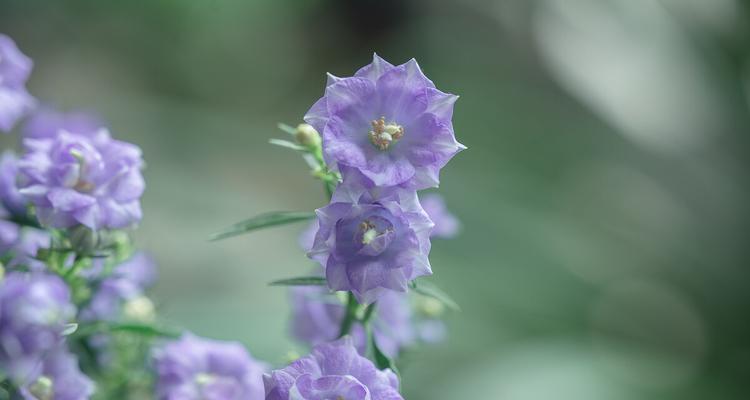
x=351, y=315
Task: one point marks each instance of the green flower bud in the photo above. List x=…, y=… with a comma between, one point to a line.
x=307, y=136
x=43, y=388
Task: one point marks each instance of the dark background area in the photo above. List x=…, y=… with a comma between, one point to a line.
x=604, y=195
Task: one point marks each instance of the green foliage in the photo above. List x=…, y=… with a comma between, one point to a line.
x=262, y=221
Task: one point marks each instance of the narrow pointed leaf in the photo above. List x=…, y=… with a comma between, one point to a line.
x=381, y=360
x=287, y=144
x=428, y=289
x=300, y=281
x=262, y=221
x=69, y=329
x=286, y=128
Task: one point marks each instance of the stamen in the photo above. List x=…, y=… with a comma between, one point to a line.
x=382, y=134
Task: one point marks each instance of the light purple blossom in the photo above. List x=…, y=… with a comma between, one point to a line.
x=317, y=315
x=372, y=240
x=194, y=368
x=19, y=246
x=34, y=310
x=58, y=377
x=446, y=224
x=48, y=122
x=15, y=68
x=74, y=179
x=388, y=122
x=11, y=201
x=127, y=281
x=332, y=371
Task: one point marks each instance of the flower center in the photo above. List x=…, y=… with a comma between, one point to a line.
x=383, y=135
x=81, y=184
x=204, y=378
x=368, y=231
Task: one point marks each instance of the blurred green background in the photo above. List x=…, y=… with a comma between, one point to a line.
x=604, y=195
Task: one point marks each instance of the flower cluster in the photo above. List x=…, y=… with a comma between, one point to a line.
x=75, y=320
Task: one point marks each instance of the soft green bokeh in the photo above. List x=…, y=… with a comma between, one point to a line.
x=604, y=195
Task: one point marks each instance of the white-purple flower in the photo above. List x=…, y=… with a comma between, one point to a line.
x=446, y=224
x=194, y=368
x=388, y=122
x=332, y=371
x=34, y=311
x=372, y=240
x=74, y=179
x=15, y=68
x=57, y=377
x=48, y=123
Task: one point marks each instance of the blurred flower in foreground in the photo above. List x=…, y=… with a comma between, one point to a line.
x=11, y=200
x=15, y=68
x=194, y=368
x=58, y=378
x=388, y=122
x=372, y=241
x=34, y=311
x=446, y=224
x=48, y=123
x=333, y=371
x=73, y=179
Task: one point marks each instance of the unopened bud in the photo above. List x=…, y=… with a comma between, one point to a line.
x=307, y=136
x=83, y=239
x=139, y=309
x=429, y=307
x=43, y=388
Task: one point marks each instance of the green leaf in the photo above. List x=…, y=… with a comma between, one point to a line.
x=287, y=144
x=300, y=281
x=262, y=221
x=428, y=289
x=381, y=360
x=286, y=128
x=128, y=327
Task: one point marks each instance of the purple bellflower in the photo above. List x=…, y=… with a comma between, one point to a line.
x=11, y=201
x=15, y=68
x=58, y=377
x=388, y=122
x=371, y=240
x=194, y=368
x=446, y=224
x=332, y=371
x=74, y=179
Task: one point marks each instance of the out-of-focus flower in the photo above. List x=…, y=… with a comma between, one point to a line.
x=194, y=368
x=11, y=201
x=15, y=68
x=58, y=378
x=446, y=224
x=332, y=371
x=372, y=240
x=19, y=246
x=34, y=311
x=388, y=122
x=317, y=315
x=74, y=179
x=127, y=282
x=48, y=123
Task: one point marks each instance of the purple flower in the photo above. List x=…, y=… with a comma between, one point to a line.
x=317, y=315
x=73, y=179
x=47, y=123
x=372, y=240
x=34, y=309
x=194, y=368
x=19, y=246
x=15, y=68
x=446, y=224
x=59, y=378
x=127, y=282
x=389, y=122
x=10, y=199
x=333, y=371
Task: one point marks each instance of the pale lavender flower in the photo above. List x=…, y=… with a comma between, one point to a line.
x=317, y=315
x=15, y=68
x=332, y=371
x=74, y=179
x=11, y=200
x=48, y=122
x=34, y=311
x=127, y=281
x=194, y=368
x=389, y=122
x=446, y=224
x=19, y=246
x=58, y=377
x=372, y=240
